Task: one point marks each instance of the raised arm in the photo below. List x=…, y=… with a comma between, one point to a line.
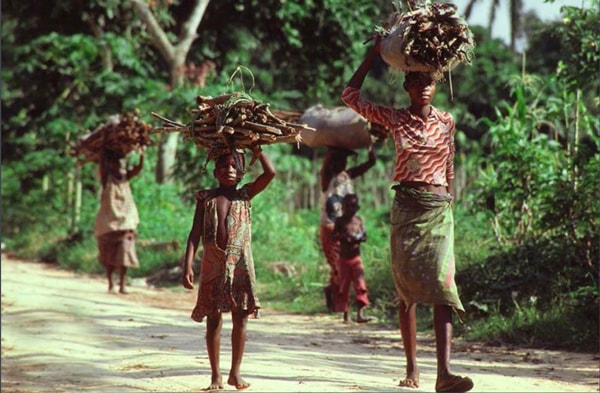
x=351, y=96
x=365, y=166
x=265, y=178
x=361, y=72
x=133, y=172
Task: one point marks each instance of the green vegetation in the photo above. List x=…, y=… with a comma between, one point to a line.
x=527, y=162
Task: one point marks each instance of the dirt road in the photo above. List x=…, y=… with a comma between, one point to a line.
x=61, y=332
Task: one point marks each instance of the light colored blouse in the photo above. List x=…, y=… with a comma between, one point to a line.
x=117, y=211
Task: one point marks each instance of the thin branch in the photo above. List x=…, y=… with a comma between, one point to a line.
x=190, y=26
x=159, y=38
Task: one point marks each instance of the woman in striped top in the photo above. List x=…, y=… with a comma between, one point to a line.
x=422, y=226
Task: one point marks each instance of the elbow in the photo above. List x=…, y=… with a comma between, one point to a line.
x=268, y=174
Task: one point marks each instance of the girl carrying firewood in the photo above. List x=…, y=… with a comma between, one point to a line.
x=117, y=218
x=227, y=281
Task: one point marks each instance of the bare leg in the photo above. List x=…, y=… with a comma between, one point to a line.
x=109, y=275
x=213, y=347
x=408, y=329
x=442, y=321
x=122, y=272
x=238, y=344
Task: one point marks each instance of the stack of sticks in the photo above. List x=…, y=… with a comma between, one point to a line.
x=428, y=38
x=120, y=133
x=235, y=121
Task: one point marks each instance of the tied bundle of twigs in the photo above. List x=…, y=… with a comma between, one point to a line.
x=234, y=121
x=427, y=38
x=120, y=133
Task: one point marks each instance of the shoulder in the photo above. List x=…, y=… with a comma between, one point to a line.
x=243, y=193
x=203, y=195
x=403, y=114
x=443, y=116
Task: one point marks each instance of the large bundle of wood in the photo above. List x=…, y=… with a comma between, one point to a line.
x=427, y=38
x=121, y=133
x=235, y=121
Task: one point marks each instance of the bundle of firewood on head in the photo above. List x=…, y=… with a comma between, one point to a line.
x=120, y=133
x=427, y=37
x=233, y=121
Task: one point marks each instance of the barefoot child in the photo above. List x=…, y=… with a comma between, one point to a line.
x=349, y=230
x=227, y=279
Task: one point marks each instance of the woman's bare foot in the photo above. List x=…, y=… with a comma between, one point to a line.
x=409, y=383
x=411, y=380
x=238, y=382
x=111, y=288
x=216, y=383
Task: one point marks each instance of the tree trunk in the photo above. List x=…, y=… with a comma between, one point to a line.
x=165, y=164
x=74, y=193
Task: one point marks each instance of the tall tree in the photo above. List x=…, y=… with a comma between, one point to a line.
x=174, y=54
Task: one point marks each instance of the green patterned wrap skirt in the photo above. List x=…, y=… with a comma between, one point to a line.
x=422, y=248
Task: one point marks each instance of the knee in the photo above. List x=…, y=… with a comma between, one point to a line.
x=213, y=321
x=239, y=319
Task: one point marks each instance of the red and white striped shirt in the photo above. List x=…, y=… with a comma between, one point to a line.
x=424, y=147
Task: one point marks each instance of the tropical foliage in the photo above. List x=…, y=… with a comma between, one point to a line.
x=527, y=158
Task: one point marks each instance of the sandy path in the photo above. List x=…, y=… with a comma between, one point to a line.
x=61, y=332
